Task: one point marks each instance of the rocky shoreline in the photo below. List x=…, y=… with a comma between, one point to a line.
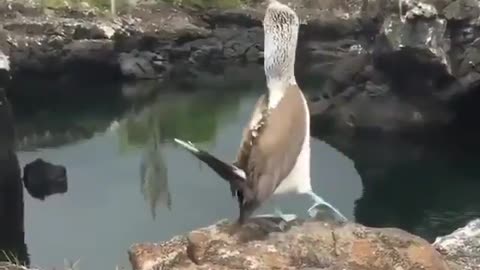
x=310, y=245
x=387, y=70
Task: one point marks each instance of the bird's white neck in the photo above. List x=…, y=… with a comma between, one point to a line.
x=281, y=26
x=277, y=89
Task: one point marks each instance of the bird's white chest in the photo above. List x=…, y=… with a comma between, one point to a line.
x=298, y=180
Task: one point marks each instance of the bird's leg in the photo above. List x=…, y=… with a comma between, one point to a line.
x=286, y=217
x=277, y=214
x=276, y=219
x=312, y=211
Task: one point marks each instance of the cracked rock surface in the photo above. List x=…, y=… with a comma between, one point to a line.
x=305, y=245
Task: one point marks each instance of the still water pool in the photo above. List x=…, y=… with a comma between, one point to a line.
x=109, y=206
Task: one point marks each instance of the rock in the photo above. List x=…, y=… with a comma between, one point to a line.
x=42, y=179
x=462, y=246
x=62, y=44
x=427, y=35
x=418, y=9
x=7, y=130
x=388, y=68
x=12, y=227
x=462, y=10
x=306, y=245
x=143, y=65
x=11, y=266
x=369, y=90
x=4, y=62
x=4, y=69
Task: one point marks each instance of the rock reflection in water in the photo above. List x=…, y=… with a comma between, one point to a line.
x=150, y=126
x=428, y=190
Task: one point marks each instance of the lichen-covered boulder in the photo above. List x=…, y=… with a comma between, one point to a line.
x=305, y=245
x=462, y=247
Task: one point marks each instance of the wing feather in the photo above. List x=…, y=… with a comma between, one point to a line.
x=269, y=157
x=247, y=138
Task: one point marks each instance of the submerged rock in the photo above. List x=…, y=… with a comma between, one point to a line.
x=306, y=245
x=462, y=247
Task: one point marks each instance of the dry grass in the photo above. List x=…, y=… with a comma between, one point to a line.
x=13, y=263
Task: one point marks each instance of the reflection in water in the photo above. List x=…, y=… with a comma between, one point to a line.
x=50, y=121
x=169, y=116
x=428, y=190
x=153, y=173
x=196, y=116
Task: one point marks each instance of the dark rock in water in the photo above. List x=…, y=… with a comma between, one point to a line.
x=43, y=179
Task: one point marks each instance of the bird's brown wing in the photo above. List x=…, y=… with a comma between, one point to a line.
x=274, y=151
x=247, y=139
x=243, y=153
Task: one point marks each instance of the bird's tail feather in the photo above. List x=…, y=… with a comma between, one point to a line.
x=234, y=175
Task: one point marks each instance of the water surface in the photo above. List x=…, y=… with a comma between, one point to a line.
x=108, y=206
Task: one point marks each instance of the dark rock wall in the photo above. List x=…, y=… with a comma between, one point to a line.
x=12, y=230
x=389, y=68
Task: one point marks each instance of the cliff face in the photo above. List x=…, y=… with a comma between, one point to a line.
x=306, y=245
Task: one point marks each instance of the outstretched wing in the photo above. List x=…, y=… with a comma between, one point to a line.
x=229, y=172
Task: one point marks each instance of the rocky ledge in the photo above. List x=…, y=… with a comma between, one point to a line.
x=387, y=65
x=310, y=245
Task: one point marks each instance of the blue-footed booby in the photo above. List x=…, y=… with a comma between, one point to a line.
x=274, y=154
